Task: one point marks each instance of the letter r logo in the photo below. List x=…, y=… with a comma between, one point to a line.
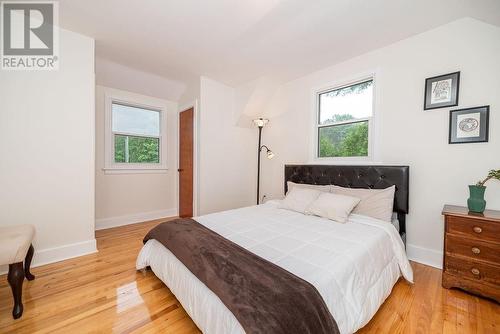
x=28, y=29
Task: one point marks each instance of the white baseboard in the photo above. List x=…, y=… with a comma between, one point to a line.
x=60, y=253
x=103, y=223
x=56, y=254
x=425, y=256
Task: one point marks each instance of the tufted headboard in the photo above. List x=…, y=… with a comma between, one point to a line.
x=376, y=177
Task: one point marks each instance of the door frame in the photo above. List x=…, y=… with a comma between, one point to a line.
x=181, y=108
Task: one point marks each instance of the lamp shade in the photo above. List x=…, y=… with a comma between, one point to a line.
x=260, y=122
x=270, y=154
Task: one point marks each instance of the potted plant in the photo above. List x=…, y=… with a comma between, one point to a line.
x=476, y=202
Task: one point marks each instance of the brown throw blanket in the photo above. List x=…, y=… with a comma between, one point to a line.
x=264, y=297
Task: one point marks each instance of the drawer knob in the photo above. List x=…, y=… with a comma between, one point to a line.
x=475, y=271
x=476, y=250
x=477, y=229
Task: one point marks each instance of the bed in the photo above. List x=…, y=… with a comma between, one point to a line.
x=353, y=266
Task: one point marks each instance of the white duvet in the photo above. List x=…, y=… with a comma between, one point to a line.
x=353, y=265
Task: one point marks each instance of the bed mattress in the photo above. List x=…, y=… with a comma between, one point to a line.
x=353, y=265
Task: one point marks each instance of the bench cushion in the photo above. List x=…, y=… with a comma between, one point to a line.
x=15, y=242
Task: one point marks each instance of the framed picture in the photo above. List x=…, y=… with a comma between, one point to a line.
x=469, y=125
x=442, y=91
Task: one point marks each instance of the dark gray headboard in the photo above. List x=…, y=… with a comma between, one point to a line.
x=366, y=176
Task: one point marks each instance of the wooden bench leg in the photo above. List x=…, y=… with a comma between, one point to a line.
x=27, y=264
x=15, y=279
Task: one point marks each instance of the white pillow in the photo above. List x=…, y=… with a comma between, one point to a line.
x=291, y=185
x=298, y=199
x=333, y=206
x=395, y=220
x=376, y=203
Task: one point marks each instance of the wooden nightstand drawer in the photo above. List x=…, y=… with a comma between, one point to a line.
x=473, y=270
x=473, y=228
x=473, y=248
x=472, y=251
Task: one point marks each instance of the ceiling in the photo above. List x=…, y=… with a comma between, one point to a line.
x=237, y=41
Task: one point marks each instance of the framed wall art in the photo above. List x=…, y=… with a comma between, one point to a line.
x=469, y=125
x=442, y=91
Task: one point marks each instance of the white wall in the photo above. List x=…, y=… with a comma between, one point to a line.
x=111, y=74
x=227, y=152
x=47, y=150
x=191, y=93
x=135, y=197
x=406, y=134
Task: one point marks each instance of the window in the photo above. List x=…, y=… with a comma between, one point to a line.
x=344, y=116
x=134, y=133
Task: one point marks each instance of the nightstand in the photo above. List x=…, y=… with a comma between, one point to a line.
x=471, y=258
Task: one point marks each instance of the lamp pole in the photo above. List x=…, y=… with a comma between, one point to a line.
x=258, y=164
x=260, y=122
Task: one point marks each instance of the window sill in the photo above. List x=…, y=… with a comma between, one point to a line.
x=111, y=170
x=342, y=160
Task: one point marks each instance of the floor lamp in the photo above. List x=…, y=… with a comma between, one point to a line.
x=260, y=123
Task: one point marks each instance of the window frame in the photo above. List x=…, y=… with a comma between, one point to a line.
x=371, y=120
x=138, y=101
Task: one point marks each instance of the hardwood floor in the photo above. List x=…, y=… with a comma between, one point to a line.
x=103, y=293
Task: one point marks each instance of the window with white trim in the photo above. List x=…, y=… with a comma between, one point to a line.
x=344, y=118
x=135, y=138
x=136, y=134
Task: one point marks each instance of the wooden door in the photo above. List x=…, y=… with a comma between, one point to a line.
x=186, y=163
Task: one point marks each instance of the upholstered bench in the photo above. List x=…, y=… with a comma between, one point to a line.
x=16, y=247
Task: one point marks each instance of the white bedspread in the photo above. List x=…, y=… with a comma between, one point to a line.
x=353, y=266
